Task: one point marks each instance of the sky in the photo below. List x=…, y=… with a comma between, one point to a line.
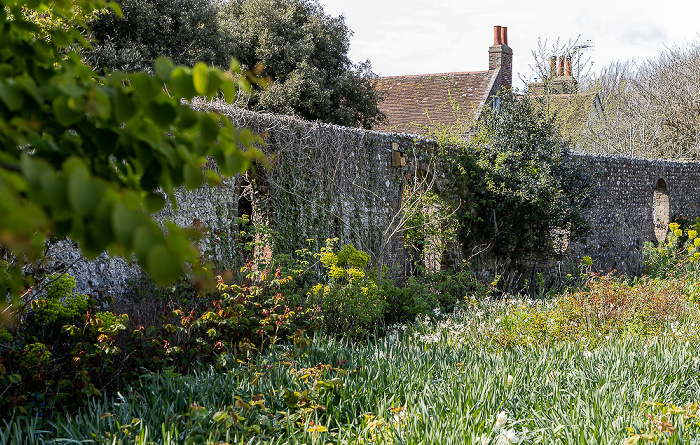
x=402, y=37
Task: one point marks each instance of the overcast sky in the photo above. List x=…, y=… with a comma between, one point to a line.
x=439, y=36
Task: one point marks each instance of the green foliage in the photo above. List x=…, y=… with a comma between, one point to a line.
x=185, y=31
x=433, y=383
x=412, y=299
x=35, y=357
x=430, y=294
x=62, y=345
x=56, y=349
x=430, y=230
x=343, y=266
x=246, y=315
x=61, y=306
x=349, y=303
x=605, y=306
x=92, y=157
x=678, y=257
x=304, y=52
x=516, y=183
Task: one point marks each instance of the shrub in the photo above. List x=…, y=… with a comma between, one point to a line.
x=58, y=346
x=60, y=307
x=409, y=301
x=247, y=315
x=605, y=306
x=424, y=294
x=677, y=257
x=62, y=346
x=349, y=304
x=452, y=287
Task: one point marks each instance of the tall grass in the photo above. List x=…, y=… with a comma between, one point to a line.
x=615, y=362
x=406, y=389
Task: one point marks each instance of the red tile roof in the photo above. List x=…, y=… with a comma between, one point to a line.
x=420, y=102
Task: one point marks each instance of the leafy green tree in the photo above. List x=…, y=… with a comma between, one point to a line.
x=91, y=157
x=185, y=31
x=304, y=52
x=517, y=183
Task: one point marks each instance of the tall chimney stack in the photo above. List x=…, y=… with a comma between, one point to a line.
x=501, y=56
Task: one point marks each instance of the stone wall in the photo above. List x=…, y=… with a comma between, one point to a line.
x=635, y=198
x=328, y=181
x=323, y=181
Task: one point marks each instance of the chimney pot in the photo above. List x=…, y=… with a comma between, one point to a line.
x=561, y=66
x=504, y=35
x=501, y=57
x=568, y=66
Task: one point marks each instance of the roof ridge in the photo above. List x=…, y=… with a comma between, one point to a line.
x=434, y=74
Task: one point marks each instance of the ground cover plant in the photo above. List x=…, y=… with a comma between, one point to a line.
x=425, y=384
x=615, y=361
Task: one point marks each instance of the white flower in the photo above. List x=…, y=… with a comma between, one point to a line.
x=588, y=354
x=501, y=420
x=511, y=436
x=509, y=381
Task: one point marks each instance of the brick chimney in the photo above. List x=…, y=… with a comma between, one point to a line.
x=560, y=79
x=501, y=56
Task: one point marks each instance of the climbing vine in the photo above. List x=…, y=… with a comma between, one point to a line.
x=326, y=181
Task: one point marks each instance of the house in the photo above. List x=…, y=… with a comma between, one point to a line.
x=423, y=103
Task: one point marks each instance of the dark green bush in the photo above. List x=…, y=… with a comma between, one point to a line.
x=453, y=286
x=423, y=294
x=408, y=301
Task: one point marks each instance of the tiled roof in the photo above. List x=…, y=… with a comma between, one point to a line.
x=417, y=103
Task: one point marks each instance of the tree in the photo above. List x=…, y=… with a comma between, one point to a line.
x=185, y=31
x=563, y=87
x=304, y=53
x=516, y=183
x=543, y=72
x=652, y=108
x=91, y=157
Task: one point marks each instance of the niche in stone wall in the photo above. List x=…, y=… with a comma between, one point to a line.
x=661, y=209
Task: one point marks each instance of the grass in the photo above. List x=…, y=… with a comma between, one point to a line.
x=572, y=371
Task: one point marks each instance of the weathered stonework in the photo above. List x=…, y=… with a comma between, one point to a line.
x=629, y=206
x=345, y=185
x=348, y=187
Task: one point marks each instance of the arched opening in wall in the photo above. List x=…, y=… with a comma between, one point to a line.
x=661, y=210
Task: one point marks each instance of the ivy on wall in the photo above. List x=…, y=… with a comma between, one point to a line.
x=326, y=181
